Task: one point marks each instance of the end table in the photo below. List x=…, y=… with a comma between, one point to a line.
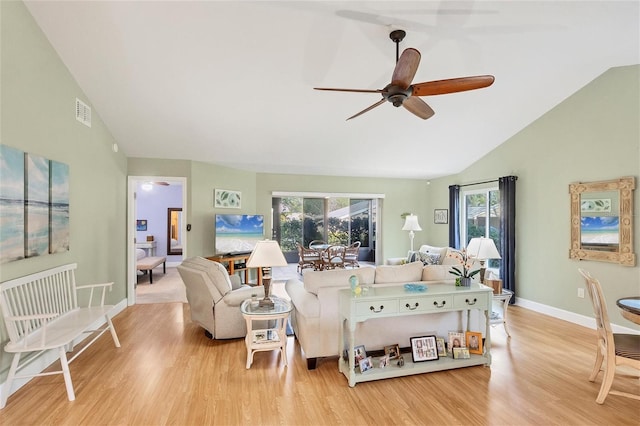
x=271, y=337
x=501, y=317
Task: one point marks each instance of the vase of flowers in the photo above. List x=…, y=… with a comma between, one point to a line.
x=463, y=272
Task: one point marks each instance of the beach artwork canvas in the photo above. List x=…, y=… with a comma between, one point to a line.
x=37, y=223
x=11, y=204
x=59, y=208
x=599, y=230
x=34, y=205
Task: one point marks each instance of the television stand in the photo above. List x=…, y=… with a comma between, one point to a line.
x=237, y=263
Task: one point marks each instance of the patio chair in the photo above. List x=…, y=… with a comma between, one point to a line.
x=333, y=257
x=307, y=258
x=351, y=255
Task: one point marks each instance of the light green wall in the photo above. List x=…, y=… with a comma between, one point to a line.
x=37, y=114
x=592, y=135
x=37, y=102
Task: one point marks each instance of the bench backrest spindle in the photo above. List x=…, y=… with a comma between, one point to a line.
x=44, y=293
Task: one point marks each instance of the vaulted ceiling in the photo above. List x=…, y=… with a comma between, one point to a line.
x=231, y=82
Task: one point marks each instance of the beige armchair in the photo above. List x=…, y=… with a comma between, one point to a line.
x=214, y=297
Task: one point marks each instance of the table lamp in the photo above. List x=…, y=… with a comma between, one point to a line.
x=266, y=254
x=482, y=249
x=411, y=224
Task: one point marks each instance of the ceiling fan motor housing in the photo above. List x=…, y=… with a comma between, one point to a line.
x=396, y=95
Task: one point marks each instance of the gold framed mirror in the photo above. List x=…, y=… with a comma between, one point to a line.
x=602, y=221
x=174, y=230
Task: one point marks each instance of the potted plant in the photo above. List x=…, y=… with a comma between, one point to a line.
x=464, y=273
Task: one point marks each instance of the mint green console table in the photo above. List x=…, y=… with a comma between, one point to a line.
x=395, y=301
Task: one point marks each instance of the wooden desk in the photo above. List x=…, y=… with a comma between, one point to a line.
x=630, y=308
x=237, y=263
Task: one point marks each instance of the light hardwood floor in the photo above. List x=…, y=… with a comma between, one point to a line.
x=168, y=372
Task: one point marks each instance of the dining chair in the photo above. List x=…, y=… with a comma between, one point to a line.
x=351, y=255
x=307, y=258
x=333, y=257
x=614, y=349
x=317, y=244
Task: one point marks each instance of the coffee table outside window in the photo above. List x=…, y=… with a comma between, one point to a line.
x=271, y=334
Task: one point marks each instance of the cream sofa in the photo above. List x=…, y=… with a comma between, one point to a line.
x=315, y=308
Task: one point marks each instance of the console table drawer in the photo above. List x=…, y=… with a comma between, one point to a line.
x=469, y=301
x=426, y=304
x=379, y=307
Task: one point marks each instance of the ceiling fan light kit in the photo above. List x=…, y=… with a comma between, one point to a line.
x=400, y=92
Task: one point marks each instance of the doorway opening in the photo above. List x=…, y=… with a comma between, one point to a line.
x=157, y=215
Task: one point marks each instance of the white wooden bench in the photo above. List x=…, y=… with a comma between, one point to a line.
x=41, y=313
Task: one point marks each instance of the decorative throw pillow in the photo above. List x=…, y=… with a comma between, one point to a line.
x=430, y=259
x=413, y=256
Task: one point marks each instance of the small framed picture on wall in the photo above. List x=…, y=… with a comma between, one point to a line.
x=441, y=216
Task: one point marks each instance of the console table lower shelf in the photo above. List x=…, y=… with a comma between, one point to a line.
x=409, y=368
x=389, y=302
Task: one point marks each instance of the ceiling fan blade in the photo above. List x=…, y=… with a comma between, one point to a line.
x=350, y=90
x=161, y=183
x=453, y=85
x=380, y=102
x=406, y=68
x=418, y=107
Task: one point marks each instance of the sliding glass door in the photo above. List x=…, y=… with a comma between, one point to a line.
x=334, y=220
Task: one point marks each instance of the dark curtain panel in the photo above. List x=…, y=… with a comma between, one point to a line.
x=454, y=216
x=507, y=187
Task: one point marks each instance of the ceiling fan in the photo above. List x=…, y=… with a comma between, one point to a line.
x=401, y=92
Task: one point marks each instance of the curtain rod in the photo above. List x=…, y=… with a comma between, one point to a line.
x=479, y=183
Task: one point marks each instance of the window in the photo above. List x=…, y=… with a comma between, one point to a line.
x=336, y=220
x=481, y=209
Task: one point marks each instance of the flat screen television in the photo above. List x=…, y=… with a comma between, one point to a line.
x=238, y=233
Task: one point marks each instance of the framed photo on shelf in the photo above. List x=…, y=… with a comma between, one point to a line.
x=384, y=361
x=456, y=340
x=424, y=348
x=359, y=353
x=393, y=351
x=366, y=364
x=442, y=348
x=461, y=353
x=441, y=216
x=474, y=342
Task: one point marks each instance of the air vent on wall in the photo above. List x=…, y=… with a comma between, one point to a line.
x=83, y=113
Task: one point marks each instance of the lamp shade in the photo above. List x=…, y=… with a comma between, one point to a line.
x=482, y=249
x=266, y=253
x=411, y=223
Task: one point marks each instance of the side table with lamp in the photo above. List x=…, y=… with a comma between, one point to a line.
x=484, y=249
x=272, y=312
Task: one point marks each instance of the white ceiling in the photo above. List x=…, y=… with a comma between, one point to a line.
x=230, y=82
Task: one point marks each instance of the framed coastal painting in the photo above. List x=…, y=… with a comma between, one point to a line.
x=226, y=199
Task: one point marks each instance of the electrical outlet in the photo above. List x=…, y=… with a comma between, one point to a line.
x=581, y=293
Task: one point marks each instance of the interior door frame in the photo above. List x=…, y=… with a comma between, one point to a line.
x=132, y=181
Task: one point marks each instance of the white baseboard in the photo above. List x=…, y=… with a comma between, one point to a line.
x=572, y=317
x=47, y=358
